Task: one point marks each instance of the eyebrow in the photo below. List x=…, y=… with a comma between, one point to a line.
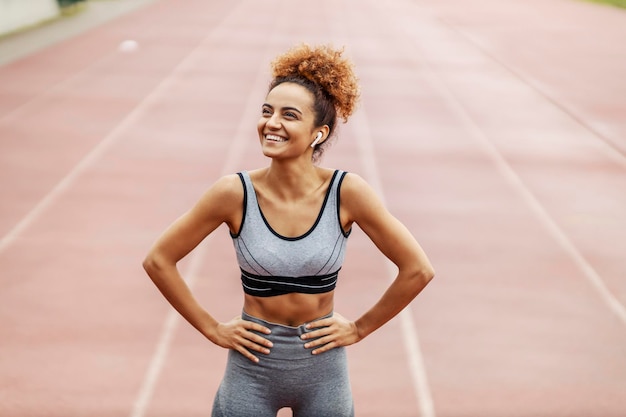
x=284, y=108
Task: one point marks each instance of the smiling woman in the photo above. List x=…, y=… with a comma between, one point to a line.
x=290, y=223
x=327, y=76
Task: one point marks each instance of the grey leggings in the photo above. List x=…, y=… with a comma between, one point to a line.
x=290, y=376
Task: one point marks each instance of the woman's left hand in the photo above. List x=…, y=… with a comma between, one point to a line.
x=330, y=333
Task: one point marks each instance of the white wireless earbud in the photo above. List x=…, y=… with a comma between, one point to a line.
x=317, y=139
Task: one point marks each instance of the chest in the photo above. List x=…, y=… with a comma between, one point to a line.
x=291, y=219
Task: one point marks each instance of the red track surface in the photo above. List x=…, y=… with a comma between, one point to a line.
x=495, y=130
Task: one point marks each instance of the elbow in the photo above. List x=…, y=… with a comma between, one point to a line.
x=152, y=265
x=426, y=275
x=423, y=275
x=148, y=264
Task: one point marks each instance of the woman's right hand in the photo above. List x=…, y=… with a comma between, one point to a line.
x=240, y=335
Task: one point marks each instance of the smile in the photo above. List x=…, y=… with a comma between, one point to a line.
x=275, y=138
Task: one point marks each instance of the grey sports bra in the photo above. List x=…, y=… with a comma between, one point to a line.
x=272, y=264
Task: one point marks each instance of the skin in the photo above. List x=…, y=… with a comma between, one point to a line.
x=290, y=192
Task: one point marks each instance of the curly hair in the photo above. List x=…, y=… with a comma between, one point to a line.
x=327, y=75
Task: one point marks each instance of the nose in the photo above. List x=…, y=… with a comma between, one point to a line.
x=273, y=122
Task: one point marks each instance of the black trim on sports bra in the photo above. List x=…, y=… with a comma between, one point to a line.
x=317, y=220
x=345, y=234
x=245, y=205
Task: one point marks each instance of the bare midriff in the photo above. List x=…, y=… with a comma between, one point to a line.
x=289, y=309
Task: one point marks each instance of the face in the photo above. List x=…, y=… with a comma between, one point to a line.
x=286, y=127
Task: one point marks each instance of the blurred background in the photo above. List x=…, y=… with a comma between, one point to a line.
x=494, y=129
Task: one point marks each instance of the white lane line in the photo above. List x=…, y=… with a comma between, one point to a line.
x=516, y=182
x=416, y=360
x=610, y=148
x=410, y=335
x=154, y=96
x=236, y=149
x=166, y=336
x=542, y=215
x=359, y=124
x=41, y=98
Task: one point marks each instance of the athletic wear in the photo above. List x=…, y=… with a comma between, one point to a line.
x=289, y=376
x=272, y=264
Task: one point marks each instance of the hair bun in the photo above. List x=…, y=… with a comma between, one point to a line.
x=324, y=66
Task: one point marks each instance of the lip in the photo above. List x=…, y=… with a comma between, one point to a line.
x=270, y=137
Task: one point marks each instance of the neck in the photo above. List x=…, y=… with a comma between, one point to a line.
x=294, y=179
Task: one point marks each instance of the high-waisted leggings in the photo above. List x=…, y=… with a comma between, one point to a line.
x=289, y=376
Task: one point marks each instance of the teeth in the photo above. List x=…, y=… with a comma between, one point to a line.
x=275, y=138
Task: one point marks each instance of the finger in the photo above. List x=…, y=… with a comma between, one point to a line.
x=250, y=325
x=260, y=344
x=324, y=348
x=324, y=331
x=247, y=354
x=259, y=339
x=319, y=342
x=320, y=323
x=253, y=346
x=257, y=347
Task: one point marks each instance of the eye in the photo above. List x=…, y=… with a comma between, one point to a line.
x=266, y=111
x=291, y=115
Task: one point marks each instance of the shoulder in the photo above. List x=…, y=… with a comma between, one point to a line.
x=220, y=203
x=355, y=187
x=223, y=196
x=226, y=187
x=358, y=199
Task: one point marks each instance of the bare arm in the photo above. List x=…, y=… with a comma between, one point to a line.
x=395, y=241
x=361, y=205
x=222, y=203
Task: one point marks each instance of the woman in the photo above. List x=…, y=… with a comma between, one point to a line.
x=290, y=223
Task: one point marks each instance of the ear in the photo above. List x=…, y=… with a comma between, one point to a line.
x=317, y=139
x=321, y=134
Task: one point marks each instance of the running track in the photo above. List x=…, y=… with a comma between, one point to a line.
x=495, y=130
